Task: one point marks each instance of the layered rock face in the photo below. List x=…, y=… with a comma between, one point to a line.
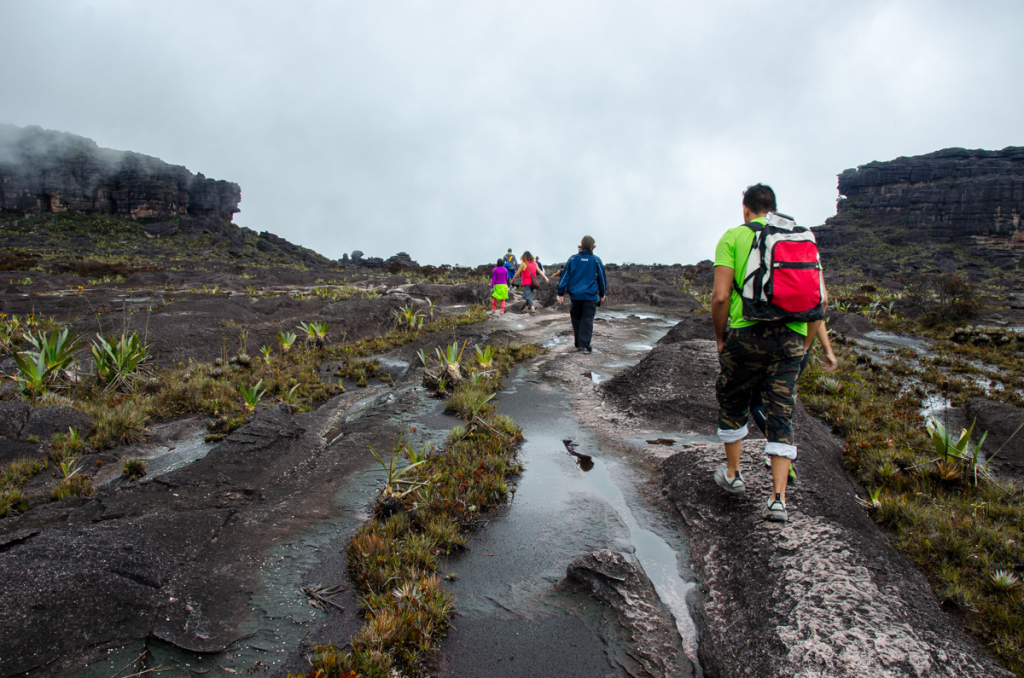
x=44, y=171
x=954, y=195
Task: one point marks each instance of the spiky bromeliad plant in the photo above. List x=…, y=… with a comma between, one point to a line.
x=119, y=360
x=53, y=353
x=287, y=340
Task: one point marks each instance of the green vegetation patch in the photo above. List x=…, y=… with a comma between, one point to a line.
x=963, y=528
x=430, y=498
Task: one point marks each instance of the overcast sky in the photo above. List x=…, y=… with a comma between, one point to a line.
x=454, y=130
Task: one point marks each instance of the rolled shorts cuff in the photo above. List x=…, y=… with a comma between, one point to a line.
x=733, y=435
x=780, y=450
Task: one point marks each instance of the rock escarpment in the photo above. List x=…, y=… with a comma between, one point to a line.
x=43, y=171
x=953, y=194
x=953, y=197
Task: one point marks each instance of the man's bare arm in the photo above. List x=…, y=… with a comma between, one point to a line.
x=720, y=298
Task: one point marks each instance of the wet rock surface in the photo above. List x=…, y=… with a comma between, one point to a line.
x=173, y=558
x=177, y=561
x=824, y=594
x=624, y=586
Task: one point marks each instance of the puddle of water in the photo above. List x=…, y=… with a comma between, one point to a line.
x=639, y=346
x=935, y=405
x=657, y=558
x=559, y=513
x=396, y=366
x=879, y=339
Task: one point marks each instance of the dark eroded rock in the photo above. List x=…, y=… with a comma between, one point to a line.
x=161, y=229
x=43, y=422
x=694, y=326
x=46, y=171
x=85, y=585
x=1000, y=420
x=13, y=415
x=466, y=293
x=671, y=380
x=622, y=585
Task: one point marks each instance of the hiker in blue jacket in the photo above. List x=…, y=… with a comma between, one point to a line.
x=583, y=277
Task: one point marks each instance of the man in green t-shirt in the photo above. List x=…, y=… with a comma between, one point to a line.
x=754, y=356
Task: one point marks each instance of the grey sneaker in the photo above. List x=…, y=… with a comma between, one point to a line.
x=775, y=511
x=732, y=485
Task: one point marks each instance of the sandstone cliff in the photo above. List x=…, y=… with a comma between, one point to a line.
x=43, y=171
x=960, y=208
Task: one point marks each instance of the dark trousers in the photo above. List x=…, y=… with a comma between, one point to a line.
x=582, y=313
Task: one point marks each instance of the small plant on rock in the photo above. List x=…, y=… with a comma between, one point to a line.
x=74, y=483
x=57, y=348
x=66, y=445
x=252, y=395
x=1004, y=580
x=485, y=356
x=133, y=468
x=33, y=374
x=12, y=501
x=316, y=332
x=287, y=340
x=408, y=316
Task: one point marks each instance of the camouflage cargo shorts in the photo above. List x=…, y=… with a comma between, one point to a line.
x=764, y=358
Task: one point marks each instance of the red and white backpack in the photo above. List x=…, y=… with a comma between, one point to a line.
x=783, y=281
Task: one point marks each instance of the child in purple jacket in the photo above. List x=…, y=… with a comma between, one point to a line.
x=499, y=286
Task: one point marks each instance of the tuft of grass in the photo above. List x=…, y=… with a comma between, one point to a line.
x=66, y=445
x=12, y=501
x=133, y=468
x=74, y=482
x=121, y=423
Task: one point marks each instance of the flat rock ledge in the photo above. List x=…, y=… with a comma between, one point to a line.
x=623, y=585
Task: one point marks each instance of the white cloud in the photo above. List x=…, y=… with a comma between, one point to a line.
x=453, y=130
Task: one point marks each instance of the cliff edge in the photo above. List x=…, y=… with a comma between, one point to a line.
x=44, y=171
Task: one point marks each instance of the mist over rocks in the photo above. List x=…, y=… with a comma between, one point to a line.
x=43, y=171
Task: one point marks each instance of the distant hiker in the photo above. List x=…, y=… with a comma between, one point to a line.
x=757, y=412
x=499, y=286
x=529, y=272
x=760, y=355
x=540, y=266
x=511, y=264
x=583, y=277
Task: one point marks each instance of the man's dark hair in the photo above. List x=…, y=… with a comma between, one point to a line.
x=759, y=199
x=586, y=244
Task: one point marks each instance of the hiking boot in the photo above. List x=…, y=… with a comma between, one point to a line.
x=588, y=350
x=732, y=485
x=775, y=511
x=794, y=476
